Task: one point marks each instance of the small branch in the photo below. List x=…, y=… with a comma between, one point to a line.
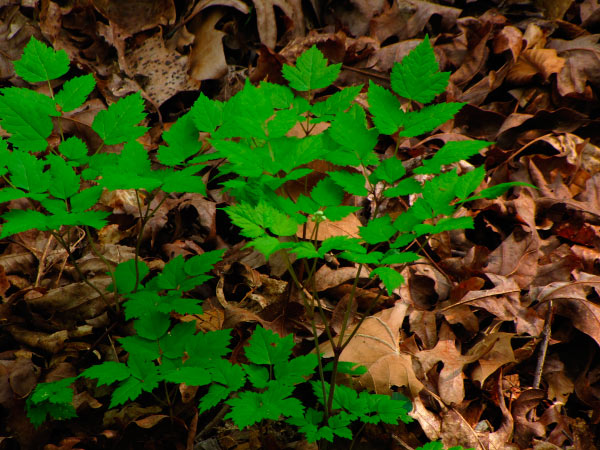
x=543, y=347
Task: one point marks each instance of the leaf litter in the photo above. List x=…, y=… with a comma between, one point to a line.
x=463, y=341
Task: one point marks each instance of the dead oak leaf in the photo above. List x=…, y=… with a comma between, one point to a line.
x=542, y=61
x=376, y=346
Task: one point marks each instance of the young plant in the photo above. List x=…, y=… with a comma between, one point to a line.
x=250, y=132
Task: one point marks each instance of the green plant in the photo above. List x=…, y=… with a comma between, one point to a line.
x=250, y=133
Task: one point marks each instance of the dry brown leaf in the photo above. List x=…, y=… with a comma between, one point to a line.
x=509, y=38
x=570, y=300
x=267, y=25
x=163, y=72
x=376, y=346
x=542, y=61
x=134, y=16
x=348, y=226
x=407, y=18
x=516, y=258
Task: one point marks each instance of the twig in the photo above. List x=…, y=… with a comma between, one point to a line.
x=215, y=420
x=401, y=442
x=543, y=347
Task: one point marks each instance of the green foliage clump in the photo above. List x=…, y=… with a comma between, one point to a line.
x=251, y=133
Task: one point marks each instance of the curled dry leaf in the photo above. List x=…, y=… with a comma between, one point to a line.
x=570, y=300
x=542, y=61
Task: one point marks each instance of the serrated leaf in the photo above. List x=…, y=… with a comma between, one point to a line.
x=350, y=130
x=108, y=372
x=25, y=114
x=192, y=376
x=74, y=149
x=377, y=230
x=327, y=193
x=352, y=183
x=85, y=199
x=74, y=92
x=18, y=220
x=119, y=122
x=281, y=97
x=498, y=190
x=293, y=372
x=368, y=258
x=385, y=107
x=27, y=172
x=395, y=257
x=65, y=182
x=390, y=278
x=311, y=71
x=173, y=344
x=144, y=348
x=41, y=63
x=417, y=76
x=468, y=182
x=429, y=118
x=266, y=347
x=257, y=375
x=183, y=140
x=451, y=152
x=125, y=273
x=206, y=114
x=130, y=389
x=203, y=263
x=341, y=243
x=152, y=325
x=267, y=245
x=390, y=170
x=340, y=101
x=407, y=186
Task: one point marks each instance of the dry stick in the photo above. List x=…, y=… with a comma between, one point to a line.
x=401, y=442
x=543, y=347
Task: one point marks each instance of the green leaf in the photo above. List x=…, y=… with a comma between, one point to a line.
x=130, y=389
x=125, y=275
x=385, y=107
x=407, y=186
x=451, y=152
x=85, y=199
x=41, y=63
x=267, y=245
x=108, y=372
x=390, y=278
x=266, y=347
x=173, y=274
x=498, y=190
x=183, y=140
x=65, y=182
x=152, y=325
x=352, y=183
x=173, y=343
x=74, y=92
x=257, y=375
x=349, y=130
x=340, y=101
x=18, y=220
x=429, y=118
x=184, y=181
x=74, y=149
x=369, y=258
x=445, y=224
x=390, y=170
x=192, y=376
x=252, y=407
x=231, y=377
x=25, y=115
x=27, y=172
x=378, y=230
x=341, y=243
x=311, y=71
x=118, y=123
x=145, y=348
x=54, y=392
x=418, y=77
x=468, y=182
x=281, y=97
x=206, y=114
x=203, y=263
x=294, y=371
x=395, y=257
x=327, y=193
